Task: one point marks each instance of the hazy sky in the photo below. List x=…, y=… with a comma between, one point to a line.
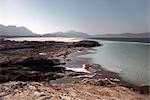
x=90, y=16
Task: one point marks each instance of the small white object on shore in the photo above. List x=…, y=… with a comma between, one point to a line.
x=86, y=68
x=42, y=53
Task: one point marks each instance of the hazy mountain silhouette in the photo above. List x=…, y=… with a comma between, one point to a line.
x=85, y=35
x=124, y=35
x=68, y=34
x=12, y=30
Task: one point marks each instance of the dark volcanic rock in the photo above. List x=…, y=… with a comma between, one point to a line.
x=36, y=61
x=22, y=61
x=31, y=69
x=86, y=43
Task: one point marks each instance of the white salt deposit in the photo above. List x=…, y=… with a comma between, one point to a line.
x=59, y=39
x=78, y=69
x=42, y=53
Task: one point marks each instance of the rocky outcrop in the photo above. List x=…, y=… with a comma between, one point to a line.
x=14, y=45
x=89, y=68
x=37, y=61
x=86, y=43
x=34, y=60
x=33, y=69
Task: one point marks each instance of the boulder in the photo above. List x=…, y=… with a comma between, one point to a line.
x=89, y=68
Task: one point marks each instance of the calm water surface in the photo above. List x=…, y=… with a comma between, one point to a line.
x=130, y=59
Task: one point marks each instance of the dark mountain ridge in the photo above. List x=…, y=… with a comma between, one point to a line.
x=12, y=30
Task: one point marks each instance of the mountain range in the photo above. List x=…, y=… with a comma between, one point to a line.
x=68, y=34
x=124, y=35
x=12, y=30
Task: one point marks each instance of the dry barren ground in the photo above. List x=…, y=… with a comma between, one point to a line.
x=70, y=91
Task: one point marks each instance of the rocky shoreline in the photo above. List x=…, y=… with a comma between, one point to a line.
x=28, y=67
x=35, y=61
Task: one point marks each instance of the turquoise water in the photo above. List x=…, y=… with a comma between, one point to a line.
x=129, y=59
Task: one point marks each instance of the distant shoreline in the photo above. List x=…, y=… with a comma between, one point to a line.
x=142, y=40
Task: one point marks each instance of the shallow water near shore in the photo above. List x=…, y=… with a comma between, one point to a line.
x=130, y=60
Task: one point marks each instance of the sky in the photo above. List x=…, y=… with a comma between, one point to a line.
x=89, y=16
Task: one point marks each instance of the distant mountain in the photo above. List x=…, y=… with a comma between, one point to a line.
x=15, y=31
x=124, y=35
x=68, y=34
